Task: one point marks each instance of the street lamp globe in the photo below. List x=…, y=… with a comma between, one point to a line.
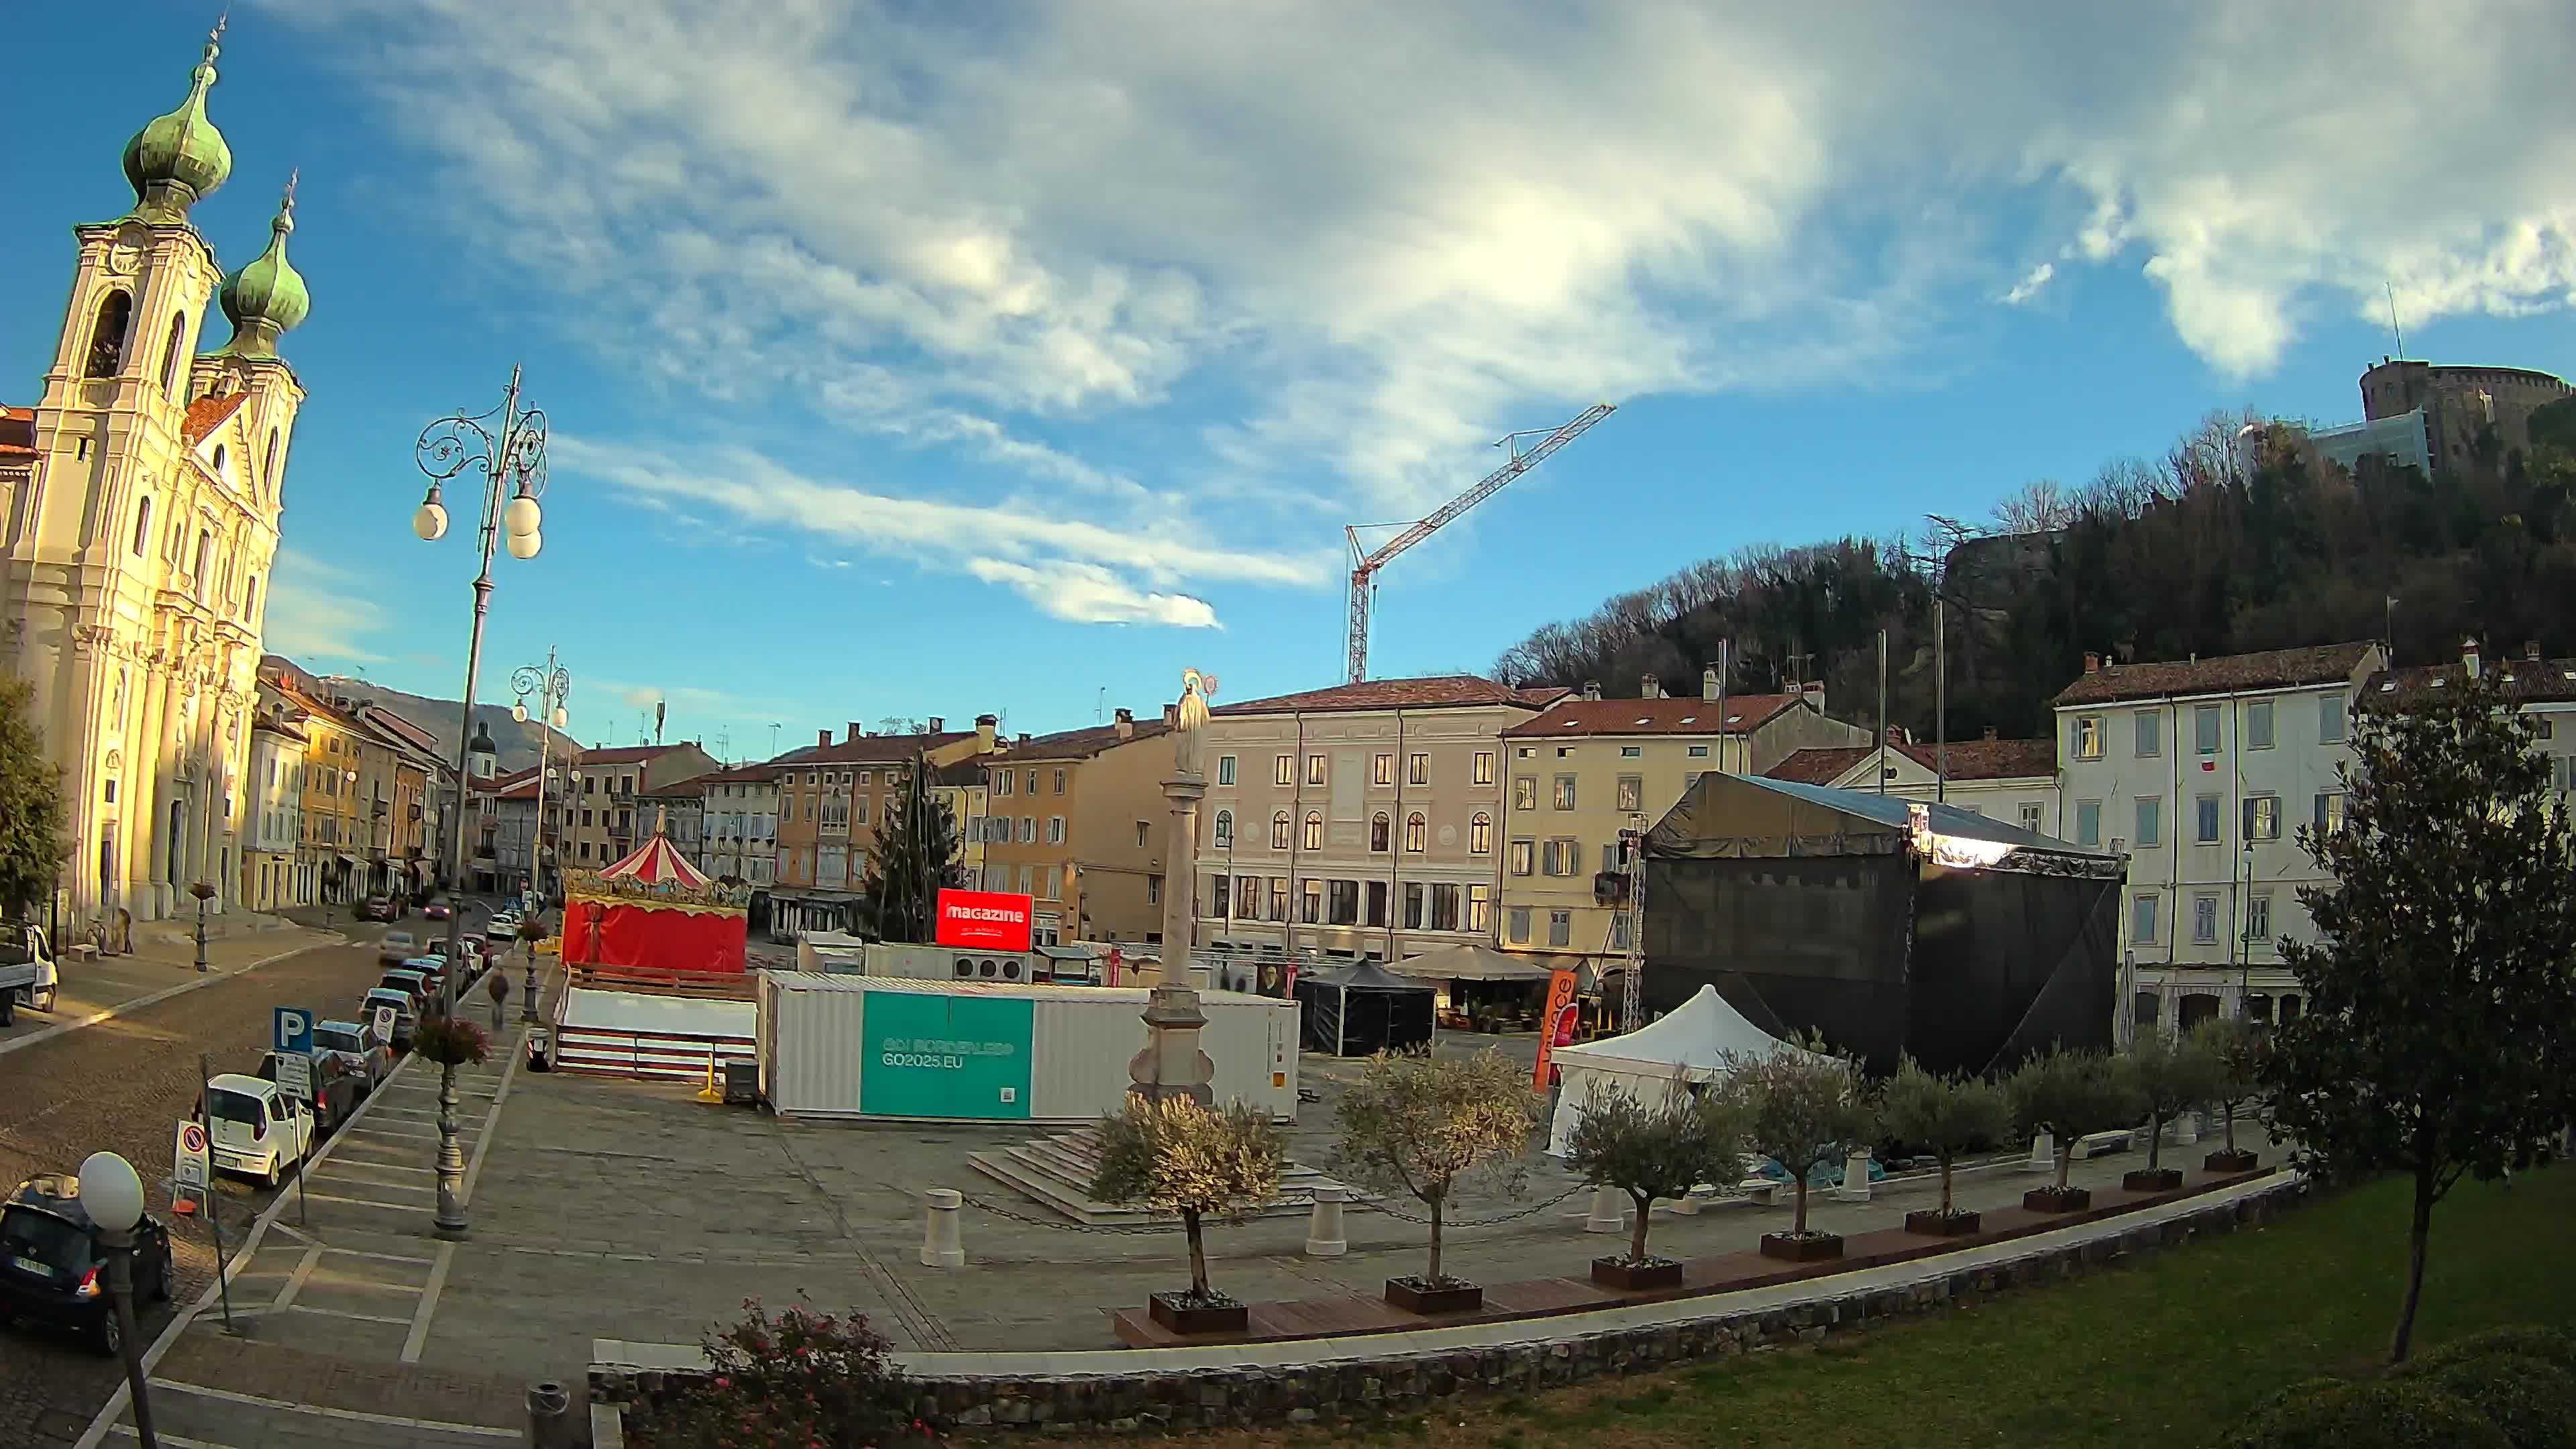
x=110, y=1192
x=521, y=517
x=430, y=522
x=519, y=711
x=524, y=545
x=563, y=717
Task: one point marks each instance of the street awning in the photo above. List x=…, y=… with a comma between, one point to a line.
x=347, y=859
x=1467, y=962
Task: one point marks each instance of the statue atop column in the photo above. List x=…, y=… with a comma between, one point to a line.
x=1190, y=721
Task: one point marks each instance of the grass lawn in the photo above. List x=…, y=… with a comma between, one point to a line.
x=2167, y=1350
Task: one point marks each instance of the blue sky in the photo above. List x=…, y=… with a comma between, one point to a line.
x=900, y=367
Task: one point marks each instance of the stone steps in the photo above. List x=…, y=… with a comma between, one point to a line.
x=1057, y=1171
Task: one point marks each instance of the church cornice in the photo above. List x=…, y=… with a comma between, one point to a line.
x=127, y=240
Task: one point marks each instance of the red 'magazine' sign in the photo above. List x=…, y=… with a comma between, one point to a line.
x=984, y=920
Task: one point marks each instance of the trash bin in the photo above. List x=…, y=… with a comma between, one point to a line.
x=541, y=1046
x=742, y=1084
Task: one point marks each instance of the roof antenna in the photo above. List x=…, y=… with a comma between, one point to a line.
x=2400, y=332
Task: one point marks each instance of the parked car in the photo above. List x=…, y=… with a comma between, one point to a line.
x=379, y=908
x=337, y=1091
x=433, y=967
x=253, y=1128
x=413, y=982
x=406, y=1011
x=27, y=972
x=438, y=909
x=355, y=1044
x=504, y=926
x=53, y=1271
x=397, y=946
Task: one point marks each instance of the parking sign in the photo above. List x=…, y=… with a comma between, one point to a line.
x=384, y=1018
x=188, y=1158
x=292, y=1031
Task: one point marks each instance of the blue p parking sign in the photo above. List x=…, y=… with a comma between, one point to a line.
x=292, y=1031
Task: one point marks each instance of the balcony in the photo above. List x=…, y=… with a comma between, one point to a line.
x=1610, y=888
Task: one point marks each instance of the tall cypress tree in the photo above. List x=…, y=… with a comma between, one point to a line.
x=915, y=856
x=32, y=843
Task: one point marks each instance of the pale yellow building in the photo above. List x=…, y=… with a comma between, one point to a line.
x=135, y=560
x=963, y=787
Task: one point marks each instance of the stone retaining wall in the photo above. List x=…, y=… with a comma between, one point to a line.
x=1559, y=1352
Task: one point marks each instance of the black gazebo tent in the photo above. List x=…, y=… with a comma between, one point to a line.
x=1364, y=1010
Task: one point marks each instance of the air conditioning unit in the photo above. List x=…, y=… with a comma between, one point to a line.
x=944, y=963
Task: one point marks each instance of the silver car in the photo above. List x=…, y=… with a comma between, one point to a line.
x=358, y=1049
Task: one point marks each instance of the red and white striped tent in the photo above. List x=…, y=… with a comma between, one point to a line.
x=656, y=862
x=653, y=910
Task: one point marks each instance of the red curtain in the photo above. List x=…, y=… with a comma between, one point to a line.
x=616, y=933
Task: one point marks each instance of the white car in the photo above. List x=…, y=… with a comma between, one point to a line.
x=255, y=1129
x=395, y=947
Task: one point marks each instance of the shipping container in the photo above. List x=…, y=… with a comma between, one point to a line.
x=869, y=1046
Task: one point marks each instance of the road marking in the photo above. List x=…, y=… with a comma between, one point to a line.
x=295, y=1280
x=356, y=1164
x=360, y=1416
x=173, y=1440
x=390, y=1132
x=491, y=1119
x=422, y=1311
x=157, y=997
x=344, y=1313
x=396, y=1207
x=382, y=1257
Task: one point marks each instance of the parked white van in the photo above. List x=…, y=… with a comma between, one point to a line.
x=255, y=1129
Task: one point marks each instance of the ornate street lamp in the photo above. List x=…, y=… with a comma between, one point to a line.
x=508, y=445
x=552, y=685
x=112, y=1195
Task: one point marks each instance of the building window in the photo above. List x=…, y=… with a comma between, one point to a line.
x=2330, y=719
x=1632, y=793
x=1517, y=922
x=1413, y=905
x=2262, y=817
x=1444, y=908
x=2204, y=920
x=1564, y=798
x=1560, y=928
x=1698, y=752
x=1225, y=769
x=2204, y=729
x=1028, y=830
x=1480, y=834
x=2258, y=725
x=142, y=524
x=2205, y=820
x=2142, y=921
x=1279, y=898
x=1484, y=767
x=1225, y=830
x=2087, y=739
x=1619, y=931
x=1417, y=833
x=1247, y=897
x=1059, y=782
x=1480, y=908
x=1373, y=909
x=1564, y=856
x=107, y=334
x=1314, y=903
x=1032, y=782
x=2329, y=812
x=1003, y=783
x=1286, y=773
x=2088, y=822
x=1522, y=854
x=2033, y=814
x=170, y=356
x=1142, y=834
x=1314, y=830
x=1379, y=829
x=1279, y=831
x=2150, y=726
x=1055, y=830
x=2258, y=917
x=2150, y=826
x=1382, y=770
x=1525, y=792
x=1417, y=770
x=1343, y=907
x=1221, y=897
x=1314, y=769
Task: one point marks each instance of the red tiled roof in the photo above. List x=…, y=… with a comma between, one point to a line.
x=1820, y=765
x=1689, y=716
x=518, y=785
x=2271, y=669
x=628, y=754
x=865, y=750
x=746, y=774
x=1081, y=744
x=2526, y=680
x=1969, y=760
x=209, y=413
x=1438, y=691
x=17, y=435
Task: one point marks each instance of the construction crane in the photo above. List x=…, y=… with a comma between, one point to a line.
x=1365, y=564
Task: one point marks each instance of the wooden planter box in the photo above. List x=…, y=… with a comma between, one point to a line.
x=1789, y=1247
x=2239, y=1160
x=1630, y=1277
x=1177, y=1312
x=1930, y=1223
x=2152, y=1179
x=2055, y=1200
x=1415, y=1296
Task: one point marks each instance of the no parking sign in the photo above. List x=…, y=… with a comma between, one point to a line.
x=188, y=1158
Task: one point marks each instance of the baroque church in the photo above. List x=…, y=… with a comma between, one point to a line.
x=141, y=525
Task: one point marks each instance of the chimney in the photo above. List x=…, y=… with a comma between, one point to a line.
x=2469, y=657
x=1171, y=715
x=1024, y=737
x=1650, y=688
x=2092, y=662
x=1125, y=723
x=822, y=737
x=1895, y=734
x=2531, y=649
x=1990, y=732
x=985, y=725
x=856, y=732
x=938, y=724
x=1708, y=684
x=1592, y=689
x=1814, y=693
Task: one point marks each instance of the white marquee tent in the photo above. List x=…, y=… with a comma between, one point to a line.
x=1688, y=1044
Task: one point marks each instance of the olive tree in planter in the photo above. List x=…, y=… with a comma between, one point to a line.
x=2235, y=1050
x=1417, y=1125
x=1690, y=1137
x=1803, y=1108
x=1945, y=1116
x=1180, y=1157
x=2171, y=1076
x=2068, y=1095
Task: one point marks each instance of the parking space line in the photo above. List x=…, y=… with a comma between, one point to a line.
x=345, y=1164
x=295, y=1281
x=359, y=1416
x=173, y=1440
x=398, y=1207
x=382, y=1257
x=389, y=1132
x=344, y=1313
x=369, y=1285
x=421, y=1312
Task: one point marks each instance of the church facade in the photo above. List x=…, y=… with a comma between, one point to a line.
x=141, y=529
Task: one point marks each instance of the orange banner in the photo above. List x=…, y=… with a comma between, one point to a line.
x=1557, y=1026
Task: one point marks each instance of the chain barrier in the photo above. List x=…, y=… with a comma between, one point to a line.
x=1355, y=1205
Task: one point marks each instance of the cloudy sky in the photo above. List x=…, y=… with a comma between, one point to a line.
x=903, y=365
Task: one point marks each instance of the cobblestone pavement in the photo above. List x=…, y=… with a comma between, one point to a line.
x=122, y=1084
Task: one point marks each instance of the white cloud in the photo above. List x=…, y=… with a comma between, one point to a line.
x=317, y=611
x=2030, y=285
x=1090, y=594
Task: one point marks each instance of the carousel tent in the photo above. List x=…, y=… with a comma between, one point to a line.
x=1470, y=962
x=1364, y=1010
x=1686, y=1046
x=653, y=911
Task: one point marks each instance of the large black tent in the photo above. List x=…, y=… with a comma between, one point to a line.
x=1364, y=1010
x=1891, y=926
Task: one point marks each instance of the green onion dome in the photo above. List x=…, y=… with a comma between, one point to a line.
x=177, y=159
x=266, y=298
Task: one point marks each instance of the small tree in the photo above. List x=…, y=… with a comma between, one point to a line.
x=2441, y=1015
x=1802, y=1109
x=2235, y=1050
x=2171, y=1076
x=916, y=855
x=2070, y=1095
x=1180, y=1157
x=32, y=839
x=1416, y=1125
x=1944, y=1115
x=1659, y=1151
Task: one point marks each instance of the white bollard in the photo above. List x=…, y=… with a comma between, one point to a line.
x=1324, y=1225
x=2186, y=1128
x=940, y=1247
x=1609, y=1211
x=2043, y=1154
x=1855, y=1186
x=1688, y=1204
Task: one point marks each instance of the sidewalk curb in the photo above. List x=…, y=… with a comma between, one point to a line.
x=64, y=1028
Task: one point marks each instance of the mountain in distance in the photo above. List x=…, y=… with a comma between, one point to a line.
x=517, y=742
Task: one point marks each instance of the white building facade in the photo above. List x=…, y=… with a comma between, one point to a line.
x=2013, y=781
x=741, y=825
x=272, y=879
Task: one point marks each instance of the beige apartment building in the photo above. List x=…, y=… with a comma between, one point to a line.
x=1584, y=769
x=961, y=787
x=1078, y=821
x=831, y=797
x=1361, y=820
x=742, y=826
x=605, y=822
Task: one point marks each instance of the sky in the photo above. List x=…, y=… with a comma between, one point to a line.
x=908, y=360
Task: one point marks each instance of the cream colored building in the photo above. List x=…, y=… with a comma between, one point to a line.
x=134, y=565
x=2014, y=781
x=272, y=876
x=1080, y=824
x=1585, y=769
x=742, y=825
x=964, y=788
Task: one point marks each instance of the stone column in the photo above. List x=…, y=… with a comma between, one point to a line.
x=1171, y=1065
x=1181, y=878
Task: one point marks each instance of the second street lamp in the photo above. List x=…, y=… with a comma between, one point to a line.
x=552, y=685
x=508, y=446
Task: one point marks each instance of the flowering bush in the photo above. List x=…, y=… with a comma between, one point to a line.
x=450, y=1041
x=801, y=1378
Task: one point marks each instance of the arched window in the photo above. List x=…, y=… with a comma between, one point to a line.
x=219, y=460
x=1378, y=828
x=107, y=334
x=142, y=525
x=205, y=543
x=1480, y=834
x=1279, y=831
x=1225, y=830
x=1314, y=830
x=268, y=466
x=170, y=355
x=1417, y=832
